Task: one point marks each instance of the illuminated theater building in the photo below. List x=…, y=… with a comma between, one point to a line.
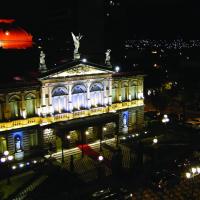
x=75, y=103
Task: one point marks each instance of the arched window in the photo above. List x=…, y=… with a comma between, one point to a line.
x=30, y=105
x=114, y=93
x=133, y=89
x=96, y=94
x=79, y=100
x=3, y=145
x=15, y=106
x=59, y=99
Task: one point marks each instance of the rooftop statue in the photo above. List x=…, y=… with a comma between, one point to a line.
x=42, y=58
x=76, y=40
x=107, y=60
x=42, y=61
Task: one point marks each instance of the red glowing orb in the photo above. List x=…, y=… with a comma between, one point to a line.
x=14, y=37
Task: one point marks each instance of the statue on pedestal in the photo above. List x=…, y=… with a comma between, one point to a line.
x=76, y=40
x=107, y=60
x=43, y=67
x=18, y=146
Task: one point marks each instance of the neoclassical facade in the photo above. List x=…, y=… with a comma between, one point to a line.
x=73, y=104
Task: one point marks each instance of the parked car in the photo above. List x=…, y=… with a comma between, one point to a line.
x=112, y=193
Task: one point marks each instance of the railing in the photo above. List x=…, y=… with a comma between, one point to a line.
x=68, y=116
x=20, y=123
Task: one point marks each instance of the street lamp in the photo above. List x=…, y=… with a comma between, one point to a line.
x=101, y=137
x=100, y=158
x=165, y=119
x=190, y=176
x=100, y=167
x=117, y=68
x=6, y=159
x=155, y=141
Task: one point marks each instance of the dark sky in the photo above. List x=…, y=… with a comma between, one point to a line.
x=167, y=18
x=156, y=18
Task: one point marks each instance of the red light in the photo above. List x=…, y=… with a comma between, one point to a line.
x=7, y=33
x=18, y=37
x=7, y=21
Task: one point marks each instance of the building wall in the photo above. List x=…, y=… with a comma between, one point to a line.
x=124, y=89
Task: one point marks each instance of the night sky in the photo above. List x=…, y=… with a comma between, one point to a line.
x=141, y=18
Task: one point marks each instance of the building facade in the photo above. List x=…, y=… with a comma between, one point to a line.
x=74, y=104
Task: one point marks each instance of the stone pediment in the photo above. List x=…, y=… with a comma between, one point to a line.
x=79, y=70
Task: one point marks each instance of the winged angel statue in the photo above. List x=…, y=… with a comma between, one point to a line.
x=76, y=40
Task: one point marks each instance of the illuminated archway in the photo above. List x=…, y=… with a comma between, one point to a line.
x=79, y=100
x=96, y=94
x=30, y=104
x=59, y=99
x=14, y=103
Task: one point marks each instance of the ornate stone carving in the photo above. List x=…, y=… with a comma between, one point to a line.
x=80, y=70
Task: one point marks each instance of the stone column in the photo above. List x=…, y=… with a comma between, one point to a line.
x=70, y=97
x=110, y=91
x=43, y=100
x=88, y=95
x=99, y=134
x=38, y=103
x=83, y=139
x=105, y=97
x=129, y=91
x=50, y=99
x=23, y=107
x=120, y=91
x=136, y=90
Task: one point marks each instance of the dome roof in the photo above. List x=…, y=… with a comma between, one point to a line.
x=13, y=36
